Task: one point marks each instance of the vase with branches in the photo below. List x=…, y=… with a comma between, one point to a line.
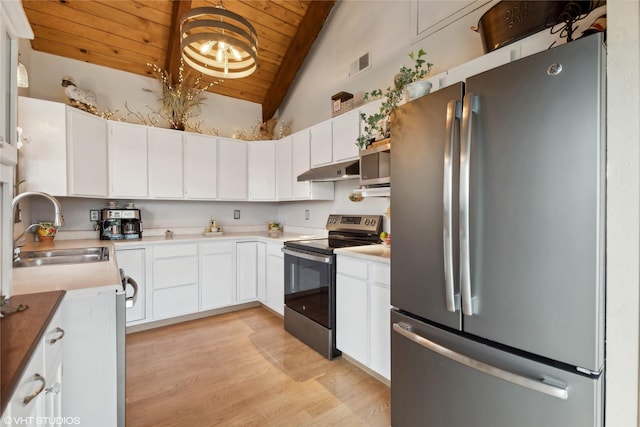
x=179, y=101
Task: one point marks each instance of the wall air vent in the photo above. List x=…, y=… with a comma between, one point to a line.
x=359, y=65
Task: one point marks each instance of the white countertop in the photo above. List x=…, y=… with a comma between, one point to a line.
x=66, y=277
x=69, y=277
x=262, y=235
x=379, y=253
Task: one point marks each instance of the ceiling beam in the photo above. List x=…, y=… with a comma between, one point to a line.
x=172, y=63
x=308, y=31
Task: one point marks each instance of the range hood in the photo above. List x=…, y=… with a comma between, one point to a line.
x=335, y=172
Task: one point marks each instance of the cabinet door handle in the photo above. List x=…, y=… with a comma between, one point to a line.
x=36, y=377
x=61, y=332
x=55, y=389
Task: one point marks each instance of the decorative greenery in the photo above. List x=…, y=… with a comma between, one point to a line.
x=378, y=123
x=178, y=102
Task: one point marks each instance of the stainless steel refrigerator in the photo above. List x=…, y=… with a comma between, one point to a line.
x=497, y=270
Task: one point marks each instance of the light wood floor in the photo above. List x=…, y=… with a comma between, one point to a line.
x=244, y=369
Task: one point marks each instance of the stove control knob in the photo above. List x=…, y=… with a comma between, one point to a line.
x=366, y=221
x=373, y=222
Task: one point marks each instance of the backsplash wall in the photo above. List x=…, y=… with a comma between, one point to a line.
x=159, y=213
x=173, y=214
x=293, y=213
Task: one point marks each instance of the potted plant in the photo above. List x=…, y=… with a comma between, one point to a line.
x=376, y=126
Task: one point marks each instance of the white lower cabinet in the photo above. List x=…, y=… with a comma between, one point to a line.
x=37, y=399
x=250, y=258
x=27, y=404
x=217, y=274
x=175, y=280
x=133, y=263
x=363, y=311
x=273, y=296
x=90, y=358
x=53, y=342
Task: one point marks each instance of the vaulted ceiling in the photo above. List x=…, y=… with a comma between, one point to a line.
x=128, y=34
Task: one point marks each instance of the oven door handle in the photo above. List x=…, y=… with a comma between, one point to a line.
x=311, y=257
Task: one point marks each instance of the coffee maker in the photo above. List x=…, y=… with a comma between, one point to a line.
x=118, y=224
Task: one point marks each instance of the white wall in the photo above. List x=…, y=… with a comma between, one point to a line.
x=293, y=213
x=623, y=212
x=383, y=28
x=114, y=88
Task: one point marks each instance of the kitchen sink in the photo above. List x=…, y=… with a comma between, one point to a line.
x=62, y=256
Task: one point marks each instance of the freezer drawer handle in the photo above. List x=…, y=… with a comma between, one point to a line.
x=532, y=384
x=469, y=107
x=452, y=300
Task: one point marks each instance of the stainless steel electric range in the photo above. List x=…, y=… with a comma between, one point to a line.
x=310, y=279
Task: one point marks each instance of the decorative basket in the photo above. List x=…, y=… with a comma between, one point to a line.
x=341, y=102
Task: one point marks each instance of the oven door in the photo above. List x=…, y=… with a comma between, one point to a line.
x=309, y=285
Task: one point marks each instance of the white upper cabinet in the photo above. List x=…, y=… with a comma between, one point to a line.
x=261, y=160
x=127, y=160
x=300, y=162
x=346, y=128
x=321, y=142
x=165, y=164
x=200, y=178
x=300, y=155
x=232, y=169
x=65, y=150
x=43, y=157
x=87, y=154
x=284, y=175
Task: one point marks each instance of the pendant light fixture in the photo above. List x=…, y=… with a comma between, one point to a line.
x=23, y=76
x=218, y=43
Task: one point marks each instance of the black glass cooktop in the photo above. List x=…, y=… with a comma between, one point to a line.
x=328, y=244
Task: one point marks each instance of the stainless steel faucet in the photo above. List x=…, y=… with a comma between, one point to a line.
x=58, y=220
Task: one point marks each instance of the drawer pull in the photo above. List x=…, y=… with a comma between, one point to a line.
x=61, y=331
x=27, y=399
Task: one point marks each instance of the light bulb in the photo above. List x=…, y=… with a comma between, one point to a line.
x=206, y=47
x=235, y=53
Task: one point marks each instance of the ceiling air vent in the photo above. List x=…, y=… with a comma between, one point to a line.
x=359, y=65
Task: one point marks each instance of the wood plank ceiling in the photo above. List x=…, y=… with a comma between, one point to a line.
x=128, y=34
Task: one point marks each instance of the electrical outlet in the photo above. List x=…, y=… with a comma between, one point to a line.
x=94, y=215
x=306, y=214
x=236, y=214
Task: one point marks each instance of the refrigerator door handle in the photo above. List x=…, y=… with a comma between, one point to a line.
x=469, y=107
x=541, y=386
x=453, y=114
